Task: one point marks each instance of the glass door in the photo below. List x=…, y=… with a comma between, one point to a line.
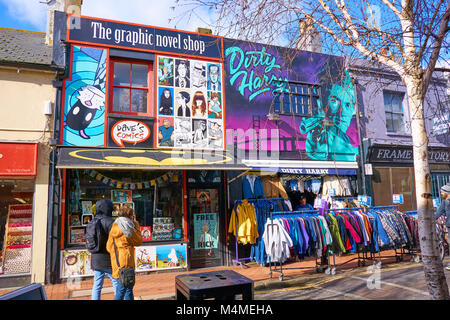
x=204, y=210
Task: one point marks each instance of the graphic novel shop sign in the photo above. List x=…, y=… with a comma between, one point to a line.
x=406, y=155
x=132, y=36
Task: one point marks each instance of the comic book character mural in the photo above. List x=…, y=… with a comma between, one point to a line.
x=326, y=132
x=298, y=105
x=81, y=114
x=165, y=71
x=188, y=103
x=84, y=101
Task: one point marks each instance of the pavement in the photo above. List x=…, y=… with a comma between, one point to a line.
x=300, y=274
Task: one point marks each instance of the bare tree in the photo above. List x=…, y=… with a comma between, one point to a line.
x=409, y=37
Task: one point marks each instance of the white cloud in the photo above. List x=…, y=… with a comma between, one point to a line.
x=31, y=11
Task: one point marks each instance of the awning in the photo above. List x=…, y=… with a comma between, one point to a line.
x=18, y=159
x=111, y=158
x=305, y=167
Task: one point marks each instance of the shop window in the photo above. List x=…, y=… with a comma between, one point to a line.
x=393, y=107
x=389, y=181
x=16, y=218
x=154, y=195
x=131, y=88
x=300, y=100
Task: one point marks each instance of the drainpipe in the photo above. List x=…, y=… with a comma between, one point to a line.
x=361, y=152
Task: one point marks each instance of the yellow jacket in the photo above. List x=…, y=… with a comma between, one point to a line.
x=125, y=247
x=245, y=214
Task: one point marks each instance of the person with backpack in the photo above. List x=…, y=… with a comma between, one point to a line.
x=124, y=236
x=97, y=232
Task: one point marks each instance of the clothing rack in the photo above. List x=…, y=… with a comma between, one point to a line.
x=317, y=266
x=415, y=252
x=362, y=255
x=238, y=260
x=403, y=250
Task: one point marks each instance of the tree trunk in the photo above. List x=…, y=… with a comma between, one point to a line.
x=433, y=267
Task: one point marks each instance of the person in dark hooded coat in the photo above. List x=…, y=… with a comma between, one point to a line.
x=101, y=260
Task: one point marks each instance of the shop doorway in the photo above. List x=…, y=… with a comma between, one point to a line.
x=205, y=209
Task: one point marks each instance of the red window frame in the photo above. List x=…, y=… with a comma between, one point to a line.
x=149, y=88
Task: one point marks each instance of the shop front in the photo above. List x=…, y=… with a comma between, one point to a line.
x=180, y=125
x=181, y=208
x=181, y=214
x=18, y=168
x=393, y=173
x=142, y=123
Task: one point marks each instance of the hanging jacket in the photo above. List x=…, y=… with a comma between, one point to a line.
x=276, y=241
x=273, y=187
x=245, y=227
x=334, y=229
x=352, y=230
x=382, y=235
x=252, y=191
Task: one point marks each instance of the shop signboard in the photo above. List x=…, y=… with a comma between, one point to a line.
x=18, y=159
x=312, y=171
x=130, y=133
x=441, y=125
x=205, y=231
x=404, y=154
x=131, y=36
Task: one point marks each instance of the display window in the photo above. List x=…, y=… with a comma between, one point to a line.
x=154, y=195
x=16, y=226
x=131, y=89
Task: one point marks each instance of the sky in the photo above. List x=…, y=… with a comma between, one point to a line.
x=32, y=15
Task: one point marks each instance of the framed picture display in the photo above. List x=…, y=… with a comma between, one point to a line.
x=190, y=104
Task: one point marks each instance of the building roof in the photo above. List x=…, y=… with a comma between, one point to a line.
x=24, y=47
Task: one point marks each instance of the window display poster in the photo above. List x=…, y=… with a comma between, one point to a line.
x=121, y=196
x=146, y=233
x=75, y=263
x=145, y=258
x=171, y=256
x=86, y=207
x=205, y=231
x=118, y=205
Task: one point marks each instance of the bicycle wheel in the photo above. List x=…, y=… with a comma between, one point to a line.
x=442, y=250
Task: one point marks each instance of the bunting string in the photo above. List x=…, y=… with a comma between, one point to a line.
x=162, y=180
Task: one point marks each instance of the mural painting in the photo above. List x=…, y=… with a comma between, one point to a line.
x=189, y=104
x=297, y=103
x=84, y=98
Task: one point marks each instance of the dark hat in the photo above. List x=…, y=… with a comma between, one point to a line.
x=104, y=207
x=446, y=188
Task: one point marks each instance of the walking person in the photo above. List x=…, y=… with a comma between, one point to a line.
x=97, y=232
x=444, y=210
x=124, y=236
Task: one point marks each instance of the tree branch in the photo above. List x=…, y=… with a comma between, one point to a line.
x=443, y=29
